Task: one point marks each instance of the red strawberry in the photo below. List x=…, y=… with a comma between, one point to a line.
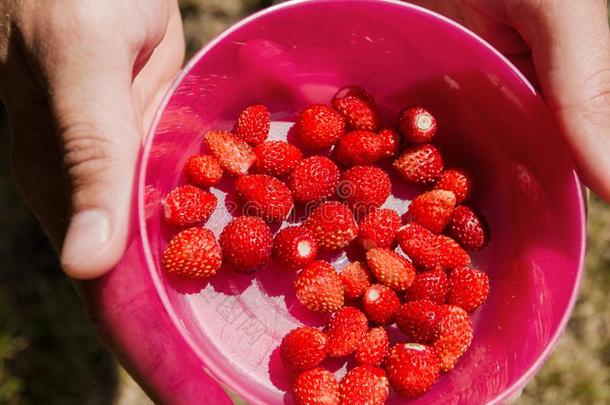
x=378, y=229
x=454, y=337
x=419, y=321
x=419, y=165
x=314, y=179
x=264, y=196
x=246, y=243
x=374, y=347
x=318, y=287
x=451, y=255
x=203, y=170
x=346, y=330
x=295, y=247
x=430, y=251
x=356, y=279
x=432, y=210
x=456, y=180
x=364, y=385
x=358, y=108
x=234, y=155
x=253, y=124
x=193, y=253
x=333, y=225
x=316, y=386
x=390, y=142
x=380, y=304
x=390, y=268
x=319, y=127
x=419, y=244
x=468, y=288
x=429, y=285
x=364, y=188
x=303, y=348
x=468, y=228
x=358, y=148
x=412, y=369
x=276, y=158
x=417, y=125
x=188, y=205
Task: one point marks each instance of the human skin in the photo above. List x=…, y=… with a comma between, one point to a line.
x=81, y=79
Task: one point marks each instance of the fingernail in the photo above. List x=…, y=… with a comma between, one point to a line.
x=87, y=234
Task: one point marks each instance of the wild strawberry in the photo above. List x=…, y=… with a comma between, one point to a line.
x=203, y=170
x=454, y=337
x=295, y=247
x=430, y=251
x=346, y=330
x=314, y=179
x=432, y=210
x=378, y=229
x=468, y=228
x=390, y=142
x=451, y=254
x=303, y=348
x=319, y=127
x=318, y=287
x=356, y=279
x=412, y=369
x=365, y=188
x=234, y=155
x=390, y=268
x=264, y=196
x=316, y=386
x=358, y=148
x=276, y=158
x=419, y=165
x=253, y=124
x=188, y=205
x=468, y=288
x=419, y=244
x=364, y=385
x=246, y=243
x=380, y=304
x=333, y=225
x=429, y=285
x=374, y=347
x=193, y=253
x=456, y=180
x=417, y=125
x=358, y=108
x=419, y=321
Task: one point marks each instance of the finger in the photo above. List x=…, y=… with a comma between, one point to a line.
x=99, y=134
x=153, y=80
x=571, y=51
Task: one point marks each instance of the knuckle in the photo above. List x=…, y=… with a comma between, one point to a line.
x=593, y=96
x=87, y=156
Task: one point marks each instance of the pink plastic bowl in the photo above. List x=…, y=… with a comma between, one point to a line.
x=183, y=341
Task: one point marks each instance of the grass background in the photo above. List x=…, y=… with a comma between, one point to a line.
x=49, y=354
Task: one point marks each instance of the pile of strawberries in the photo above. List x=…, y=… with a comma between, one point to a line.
x=427, y=288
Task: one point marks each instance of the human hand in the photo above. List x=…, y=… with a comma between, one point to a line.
x=564, y=48
x=80, y=81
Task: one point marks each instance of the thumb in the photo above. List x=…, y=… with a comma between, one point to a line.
x=571, y=50
x=100, y=138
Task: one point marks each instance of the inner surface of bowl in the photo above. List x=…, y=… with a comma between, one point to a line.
x=490, y=122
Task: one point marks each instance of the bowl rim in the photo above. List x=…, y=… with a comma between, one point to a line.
x=216, y=373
